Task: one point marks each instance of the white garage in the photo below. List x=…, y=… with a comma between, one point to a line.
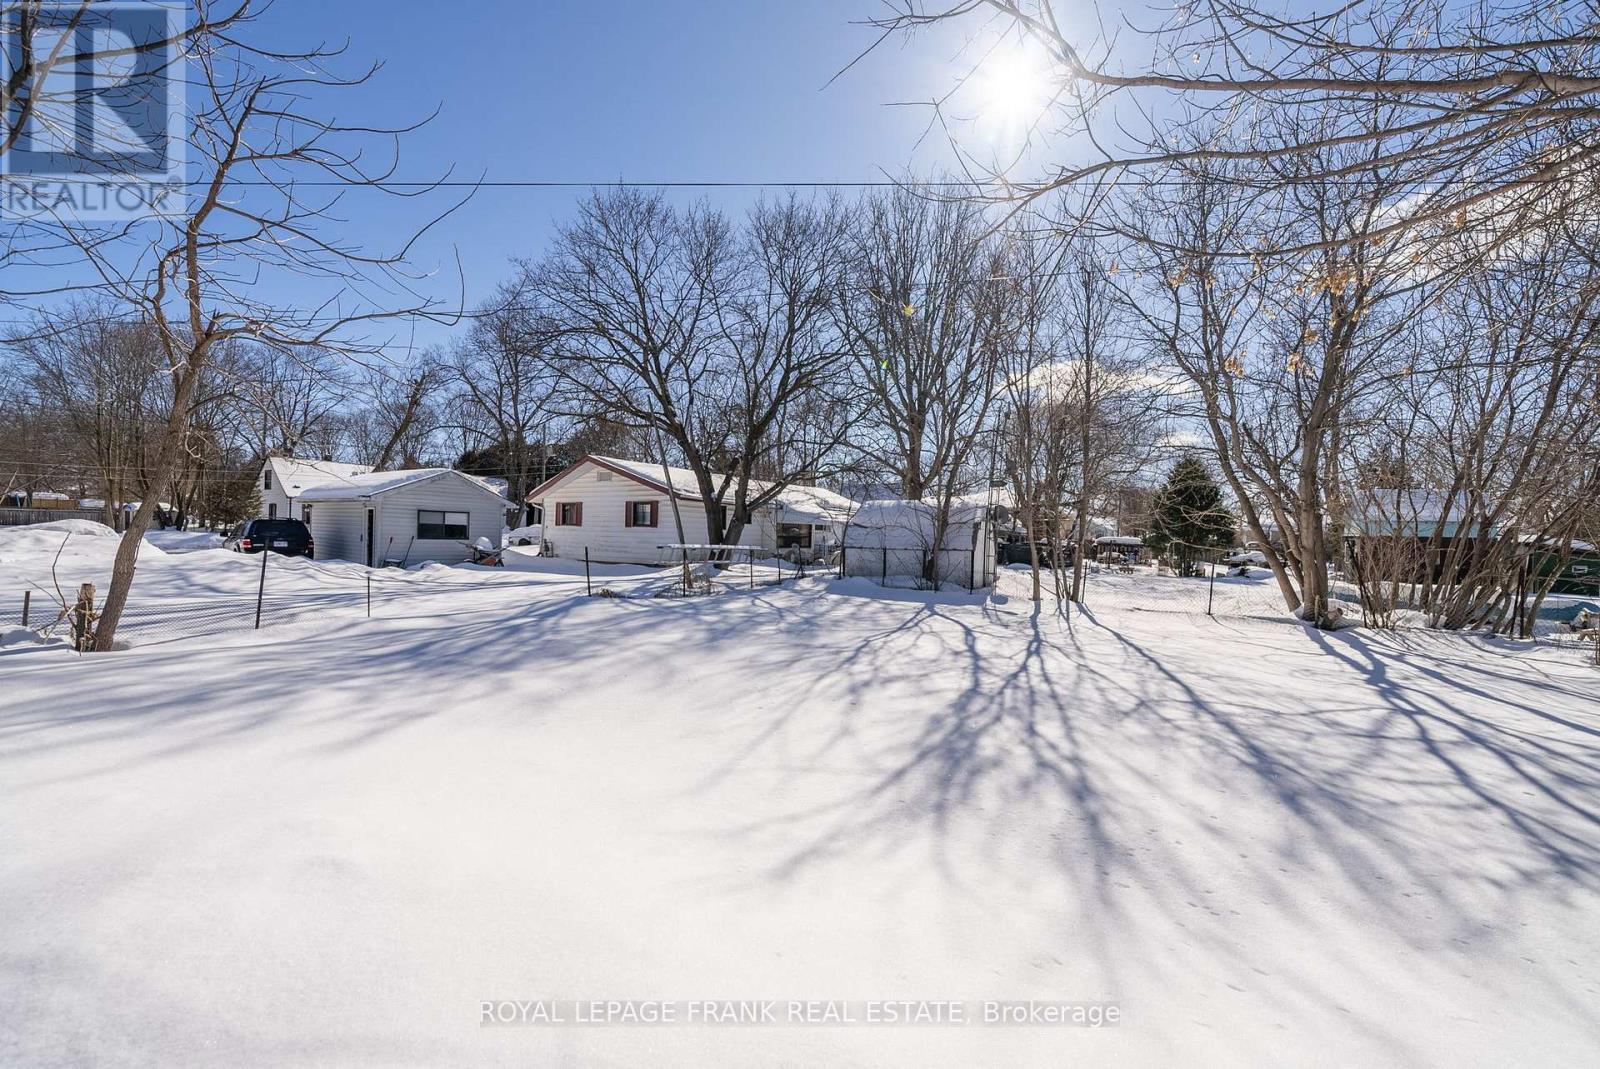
x=402, y=517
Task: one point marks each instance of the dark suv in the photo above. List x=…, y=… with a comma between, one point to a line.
x=292, y=538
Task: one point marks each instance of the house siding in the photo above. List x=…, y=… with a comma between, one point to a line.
x=340, y=530
x=340, y=527
x=275, y=496
x=604, y=532
x=397, y=520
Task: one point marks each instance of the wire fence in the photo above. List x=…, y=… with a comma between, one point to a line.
x=1189, y=580
x=1228, y=583
x=281, y=596
x=915, y=567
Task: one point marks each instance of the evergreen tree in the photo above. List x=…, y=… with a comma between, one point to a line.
x=1189, y=516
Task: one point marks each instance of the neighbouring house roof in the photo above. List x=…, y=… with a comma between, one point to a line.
x=1414, y=512
x=802, y=504
x=1558, y=544
x=1118, y=540
x=812, y=504
x=293, y=475
x=371, y=484
x=499, y=486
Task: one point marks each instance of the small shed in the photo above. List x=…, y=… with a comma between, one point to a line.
x=893, y=541
x=403, y=516
x=1576, y=571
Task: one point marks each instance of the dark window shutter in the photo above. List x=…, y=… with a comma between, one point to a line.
x=577, y=519
x=654, y=506
x=627, y=514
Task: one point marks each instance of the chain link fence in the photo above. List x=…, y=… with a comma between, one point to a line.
x=146, y=620
x=1240, y=584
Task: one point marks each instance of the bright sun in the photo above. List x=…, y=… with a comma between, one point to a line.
x=1012, y=89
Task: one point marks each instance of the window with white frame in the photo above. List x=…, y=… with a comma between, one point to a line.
x=441, y=526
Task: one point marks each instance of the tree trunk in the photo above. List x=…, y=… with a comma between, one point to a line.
x=128, y=548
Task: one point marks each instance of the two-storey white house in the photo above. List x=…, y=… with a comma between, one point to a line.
x=620, y=511
x=284, y=479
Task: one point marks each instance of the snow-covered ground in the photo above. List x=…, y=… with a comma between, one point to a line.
x=328, y=842
x=171, y=541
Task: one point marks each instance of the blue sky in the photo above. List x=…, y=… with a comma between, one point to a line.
x=629, y=89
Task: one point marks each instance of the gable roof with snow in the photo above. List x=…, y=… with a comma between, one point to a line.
x=294, y=475
x=371, y=484
x=804, y=504
x=898, y=524
x=1415, y=512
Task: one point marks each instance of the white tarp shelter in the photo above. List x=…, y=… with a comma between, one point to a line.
x=893, y=542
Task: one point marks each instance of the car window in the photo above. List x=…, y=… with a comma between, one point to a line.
x=279, y=529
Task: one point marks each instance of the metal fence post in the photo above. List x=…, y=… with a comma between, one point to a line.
x=27, y=597
x=369, y=595
x=261, y=588
x=1211, y=588
x=588, y=584
x=884, y=580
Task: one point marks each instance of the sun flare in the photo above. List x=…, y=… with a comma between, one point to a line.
x=1013, y=90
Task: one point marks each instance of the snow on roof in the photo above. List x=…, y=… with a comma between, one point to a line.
x=1578, y=544
x=499, y=486
x=1118, y=540
x=897, y=524
x=294, y=474
x=813, y=504
x=1416, y=511
x=356, y=487
x=810, y=504
x=683, y=483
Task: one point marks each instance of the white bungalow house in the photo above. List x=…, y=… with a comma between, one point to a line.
x=403, y=517
x=620, y=511
x=283, y=479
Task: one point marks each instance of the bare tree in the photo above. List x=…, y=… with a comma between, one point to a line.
x=193, y=275
x=1485, y=105
x=99, y=378
x=506, y=384
x=717, y=339
x=928, y=312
